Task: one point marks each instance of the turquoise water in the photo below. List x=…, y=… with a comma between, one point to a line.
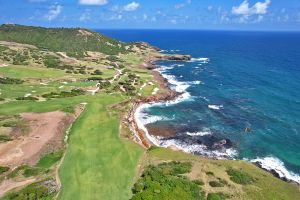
x=236, y=81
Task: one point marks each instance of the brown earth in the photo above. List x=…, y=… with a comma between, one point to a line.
x=45, y=132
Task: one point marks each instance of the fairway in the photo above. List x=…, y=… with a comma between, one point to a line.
x=98, y=163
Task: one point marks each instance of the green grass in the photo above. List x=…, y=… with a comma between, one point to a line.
x=98, y=164
x=49, y=159
x=265, y=186
x=165, y=181
x=19, y=71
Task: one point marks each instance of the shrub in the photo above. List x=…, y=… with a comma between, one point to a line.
x=3, y=169
x=239, y=176
x=6, y=80
x=216, y=184
x=5, y=138
x=209, y=173
x=97, y=72
x=198, y=182
x=165, y=182
x=30, y=98
x=31, y=192
x=31, y=172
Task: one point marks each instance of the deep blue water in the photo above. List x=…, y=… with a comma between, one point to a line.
x=252, y=77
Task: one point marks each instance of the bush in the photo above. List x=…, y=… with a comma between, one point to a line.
x=3, y=169
x=239, y=176
x=33, y=191
x=6, y=80
x=209, y=173
x=5, y=138
x=97, y=72
x=31, y=172
x=165, y=182
x=198, y=182
x=216, y=184
x=30, y=98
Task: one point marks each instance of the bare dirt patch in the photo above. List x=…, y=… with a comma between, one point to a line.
x=17, y=46
x=45, y=132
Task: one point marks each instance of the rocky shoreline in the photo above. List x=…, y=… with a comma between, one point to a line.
x=139, y=135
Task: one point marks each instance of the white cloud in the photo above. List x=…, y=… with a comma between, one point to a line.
x=181, y=5
x=173, y=21
x=85, y=16
x=93, y=2
x=53, y=12
x=209, y=8
x=131, y=6
x=259, y=8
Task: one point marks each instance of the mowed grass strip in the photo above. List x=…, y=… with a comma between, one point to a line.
x=98, y=163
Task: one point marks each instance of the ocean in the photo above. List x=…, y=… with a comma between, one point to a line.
x=240, y=95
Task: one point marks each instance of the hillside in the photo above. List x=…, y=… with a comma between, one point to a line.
x=71, y=40
x=65, y=131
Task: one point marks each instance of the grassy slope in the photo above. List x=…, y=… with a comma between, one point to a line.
x=68, y=40
x=266, y=186
x=98, y=164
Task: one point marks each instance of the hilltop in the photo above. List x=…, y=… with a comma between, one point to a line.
x=74, y=41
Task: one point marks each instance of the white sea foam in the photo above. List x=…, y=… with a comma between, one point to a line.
x=215, y=107
x=202, y=60
x=205, y=131
x=198, y=149
x=141, y=123
x=272, y=163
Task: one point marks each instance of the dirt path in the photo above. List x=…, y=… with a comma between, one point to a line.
x=8, y=185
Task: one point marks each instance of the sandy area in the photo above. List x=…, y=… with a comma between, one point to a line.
x=45, y=131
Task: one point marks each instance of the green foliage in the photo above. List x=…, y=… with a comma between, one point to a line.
x=68, y=109
x=51, y=62
x=64, y=94
x=216, y=184
x=240, y=177
x=3, y=169
x=209, y=173
x=16, y=171
x=20, y=59
x=3, y=48
x=31, y=172
x=34, y=191
x=6, y=80
x=74, y=41
x=165, y=182
x=49, y=159
x=30, y=98
x=5, y=138
x=97, y=72
x=198, y=182
x=216, y=196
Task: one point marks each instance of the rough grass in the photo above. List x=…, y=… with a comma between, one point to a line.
x=49, y=159
x=98, y=164
x=264, y=187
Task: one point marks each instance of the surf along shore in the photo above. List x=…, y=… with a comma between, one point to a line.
x=141, y=134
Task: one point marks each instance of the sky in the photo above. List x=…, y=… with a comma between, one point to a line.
x=282, y=15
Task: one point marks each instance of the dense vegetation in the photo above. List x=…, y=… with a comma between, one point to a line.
x=39, y=190
x=165, y=181
x=240, y=177
x=74, y=41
